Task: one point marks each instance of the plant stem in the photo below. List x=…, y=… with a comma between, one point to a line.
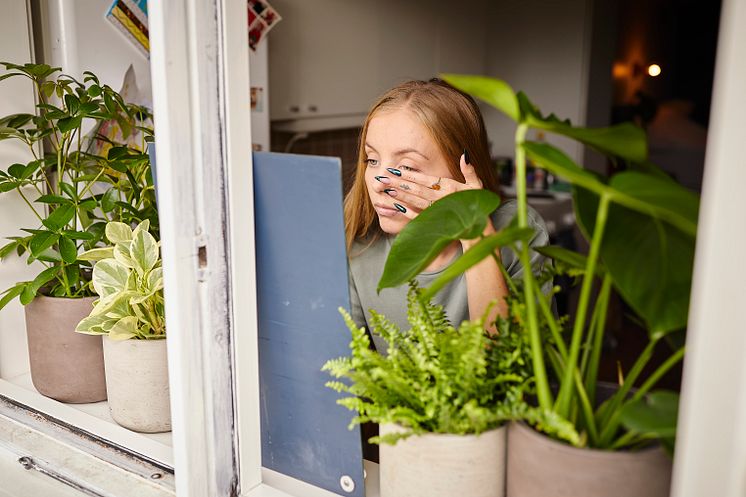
x=553, y=326
x=609, y=414
x=658, y=373
x=543, y=393
x=29, y=205
x=564, y=397
x=602, y=305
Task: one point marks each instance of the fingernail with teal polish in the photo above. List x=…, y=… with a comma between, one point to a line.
x=393, y=171
x=466, y=156
x=390, y=191
x=383, y=179
x=400, y=208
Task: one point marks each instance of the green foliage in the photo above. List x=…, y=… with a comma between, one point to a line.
x=437, y=378
x=461, y=215
x=128, y=278
x=641, y=226
x=59, y=185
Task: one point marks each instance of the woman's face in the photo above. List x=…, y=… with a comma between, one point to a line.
x=396, y=139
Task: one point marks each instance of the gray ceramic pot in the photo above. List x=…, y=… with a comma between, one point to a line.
x=539, y=466
x=137, y=382
x=441, y=465
x=65, y=365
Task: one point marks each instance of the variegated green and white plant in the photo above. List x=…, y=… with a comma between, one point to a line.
x=128, y=277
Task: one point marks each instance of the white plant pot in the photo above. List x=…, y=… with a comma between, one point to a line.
x=441, y=465
x=137, y=384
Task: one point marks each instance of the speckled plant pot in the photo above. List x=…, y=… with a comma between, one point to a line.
x=65, y=365
x=539, y=466
x=440, y=465
x=137, y=384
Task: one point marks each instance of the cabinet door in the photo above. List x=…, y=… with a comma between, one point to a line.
x=323, y=58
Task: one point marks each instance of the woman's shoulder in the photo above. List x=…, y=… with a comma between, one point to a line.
x=508, y=210
x=365, y=251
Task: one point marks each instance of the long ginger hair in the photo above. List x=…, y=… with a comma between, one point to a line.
x=455, y=123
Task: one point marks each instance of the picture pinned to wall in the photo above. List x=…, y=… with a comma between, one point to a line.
x=262, y=18
x=257, y=98
x=131, y=18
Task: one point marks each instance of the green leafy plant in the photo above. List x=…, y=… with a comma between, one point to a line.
x=62, y=186
x=128, y=277
x=436, y=378
x=641, y=226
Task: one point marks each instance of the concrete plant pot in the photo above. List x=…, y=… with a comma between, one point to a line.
x=442, y=465
x=137, y=384
x=65, y=365
x=539, y=466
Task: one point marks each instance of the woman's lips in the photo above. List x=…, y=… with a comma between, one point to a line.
x=385, y=211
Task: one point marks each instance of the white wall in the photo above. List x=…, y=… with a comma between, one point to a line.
x=711, y=440
x=539, y=47
x=259, y=76
x=16, y=95
x=78, y=37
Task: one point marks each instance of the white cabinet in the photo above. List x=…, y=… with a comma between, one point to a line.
x=329, y=59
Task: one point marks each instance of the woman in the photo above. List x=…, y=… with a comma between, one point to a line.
x=420, y=142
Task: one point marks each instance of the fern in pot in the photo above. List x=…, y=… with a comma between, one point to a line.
x=128, y=277
x=441, y=395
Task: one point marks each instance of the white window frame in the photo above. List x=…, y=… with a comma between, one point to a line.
x=200, y=113
x=200, y=89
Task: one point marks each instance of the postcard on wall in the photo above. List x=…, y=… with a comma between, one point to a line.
x=262, y=18
x=131, y=18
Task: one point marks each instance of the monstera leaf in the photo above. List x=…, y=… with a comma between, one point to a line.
x=649, y=260
x=461, y=215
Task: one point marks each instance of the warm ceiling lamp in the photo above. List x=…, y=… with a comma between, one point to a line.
x=654, y=70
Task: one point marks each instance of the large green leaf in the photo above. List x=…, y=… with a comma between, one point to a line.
x=461, y=215
x=672, y=202
x=644, y=193
x=653, y=416
x=650, y=261
x=623, y=140
x=495, y=92
x=481, y=250
x=109, y=277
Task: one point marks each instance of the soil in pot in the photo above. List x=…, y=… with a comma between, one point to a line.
x=65, y=365
x=137, y=384
x=539, y=466
x=442, y=465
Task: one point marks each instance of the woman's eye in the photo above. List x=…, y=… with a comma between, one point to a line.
x=407, y=168
x=371, y=162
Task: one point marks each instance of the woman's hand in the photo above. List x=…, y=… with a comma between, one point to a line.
x=416, y=191
x=412, y=192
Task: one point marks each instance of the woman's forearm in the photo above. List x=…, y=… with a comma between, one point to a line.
x=485, y=284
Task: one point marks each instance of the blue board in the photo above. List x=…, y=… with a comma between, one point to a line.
x=301, y=281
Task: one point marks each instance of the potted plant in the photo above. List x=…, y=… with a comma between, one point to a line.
x=641, y=226
x=73, y=185
x=128, y=277
x=441, y=396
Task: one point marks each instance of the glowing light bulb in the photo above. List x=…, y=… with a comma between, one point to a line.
x=654, y=70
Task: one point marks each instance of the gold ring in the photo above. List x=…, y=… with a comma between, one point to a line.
x=436, y=185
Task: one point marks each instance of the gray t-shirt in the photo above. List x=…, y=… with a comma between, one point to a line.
x=366, y=269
